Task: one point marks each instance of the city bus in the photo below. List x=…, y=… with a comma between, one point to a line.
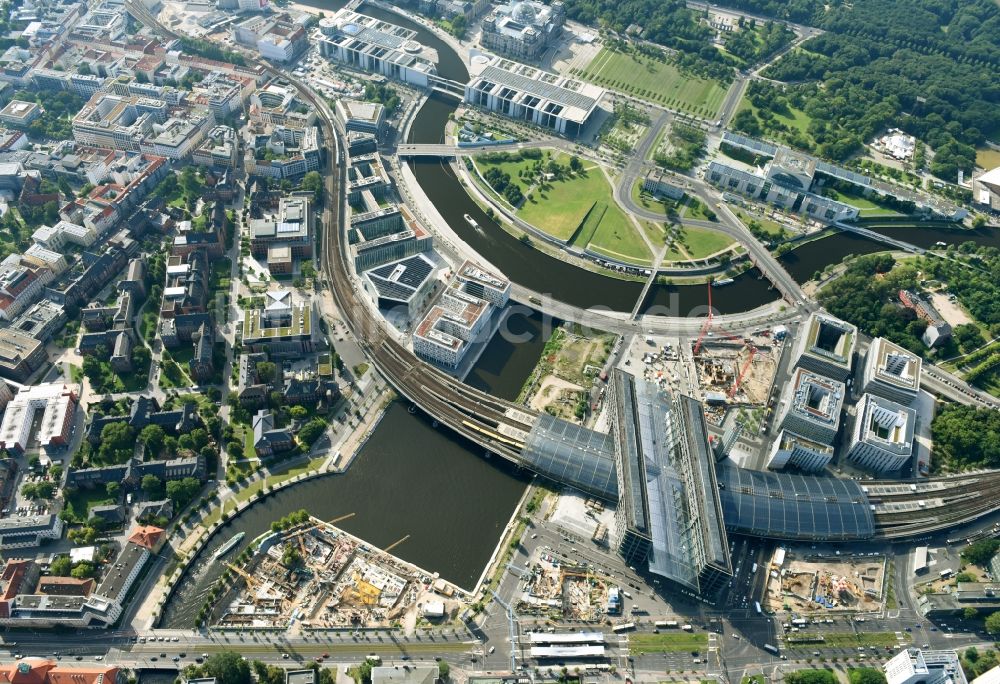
x=756, y=605
x=624, y=627
x=670, y=624
x=771, y=649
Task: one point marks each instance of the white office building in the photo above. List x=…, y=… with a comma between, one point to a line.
x=526, y=93
x=882, y=439
x=826, y=346
x=916, y=666
x=891, y=372
x=792, y=450
x=811, y=406
x=376, y=46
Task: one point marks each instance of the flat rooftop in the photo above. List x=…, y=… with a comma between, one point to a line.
x=893, y=365
x=575, y=99
x=815, y=397
x=886, y=424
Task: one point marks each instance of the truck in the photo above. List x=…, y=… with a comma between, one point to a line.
x=753, y=569
x=687, y=628
x=756, y=606
x=800, y=622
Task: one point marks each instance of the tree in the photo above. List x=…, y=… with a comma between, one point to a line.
x=298, y=412
x=116, y=442
x=61, y=566
x=866, y=675
x=575, y=165
x=443, y=669
x=228, y=667
x=199, y=438
x=313, y=182
x=113, y=489
x=182, y=491
x=970, y=613
x=267, y=372
x=83, y=570
x=968, y=336
x=311, y=431
x=152, y=486
x=152, y=437
x=993, y=623
x=55, y=472
x=981, y=552
x=291, y=557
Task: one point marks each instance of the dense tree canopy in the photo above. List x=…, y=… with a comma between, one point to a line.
x=966, y=436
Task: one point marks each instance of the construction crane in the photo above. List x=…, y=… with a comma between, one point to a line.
x=252, y=582
x=743, y=371
x=304, y=530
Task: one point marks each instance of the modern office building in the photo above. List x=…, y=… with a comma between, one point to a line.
x=455, y=322
x=523, y=29
x=811, y=406
x=669, y=517
x=57, y=405
x=526, y=93
x=275, y=36
x=882, y=439
x=478, y=281
x=826, y=346
x=405, y=285
x=660, y=184
x=891, y=372
x=20, y=354
x=362, y=117
x=278, y=325
x=20, y=114
x=772, y=189
x=369, y=44
x=792, y=450
x=292, y=225
x=117, y=122
x=917, y=666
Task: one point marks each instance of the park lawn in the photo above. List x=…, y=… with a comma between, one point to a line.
x=867, y=206
x=987, y=158
x=658, y=82
x=617, y=236
x=80, y=501
x=644, y=642
x=510, y=167
x=700, y=242
x=797, y=120
x=557, y=208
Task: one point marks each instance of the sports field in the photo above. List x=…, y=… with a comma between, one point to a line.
x=659, y=82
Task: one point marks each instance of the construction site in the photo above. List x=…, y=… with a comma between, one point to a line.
x=725, y=371
x=317, y=576
x=562, y=592
x=811, y=583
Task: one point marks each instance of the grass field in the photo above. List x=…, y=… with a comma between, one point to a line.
x=644, y=642
x=79, y=503
x=987, y=158
x=867, y=206
x=658, y=82
x=767, y=225
x=795, y=119
x=700, y=242
x=511, y=167
x=581, y=209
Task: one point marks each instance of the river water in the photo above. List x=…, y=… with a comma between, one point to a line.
x=414, y=479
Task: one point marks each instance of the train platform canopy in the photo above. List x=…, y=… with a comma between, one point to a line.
x=573, y=455
x=567, y=638
x=787, y=506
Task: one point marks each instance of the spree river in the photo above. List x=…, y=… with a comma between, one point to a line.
x=412, y=478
